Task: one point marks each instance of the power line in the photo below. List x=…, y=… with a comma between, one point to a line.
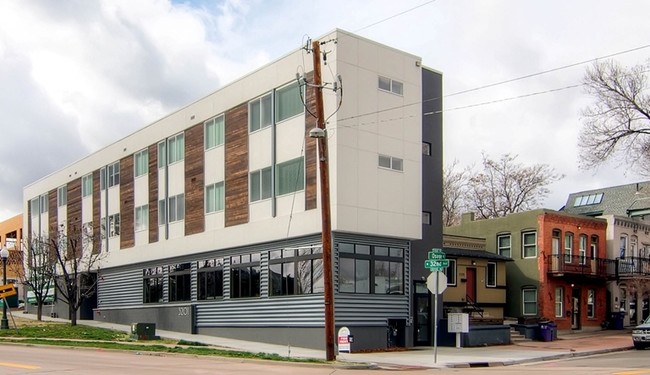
x=546, y=71
x=394, y=15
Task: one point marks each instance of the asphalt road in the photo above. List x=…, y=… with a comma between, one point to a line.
x=20, y=359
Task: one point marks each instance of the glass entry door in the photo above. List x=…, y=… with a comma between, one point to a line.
x=422, y=318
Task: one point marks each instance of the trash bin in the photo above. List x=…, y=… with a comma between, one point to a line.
x=617, y=320
x=545, y=331
x=553, y=328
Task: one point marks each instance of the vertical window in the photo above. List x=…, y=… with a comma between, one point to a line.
x=282, y=272
x=388, y=272
x=113, y=174
x=555, y=244
x=114, y=225
x=594, y=247
x=141, y=166
x=260, y=184
x=591, y=303
x=141, y=218
x=529, y=245
x=451, y=272
x=102, y=178
x=529, y=301
x=176, y=208
x=162, y=154
x=426, y=218
x=210, y=279
x=288, y=102
x=582, y=248
x=214, y=132
x=503, y=243
x=152, y=285
x=176, y=148
x=559, y=302
x=568, y=247
x=214, y=197
x=44, y=203
x=426, y=148
x=290, y=176
x=245, y=276
x=179, y=281
x=633, y=244
x=35, y=209
x=623, y=246
x=491, y=275
x=162, y=212
x=87, y=185
x=62, y=196
x=259, y=113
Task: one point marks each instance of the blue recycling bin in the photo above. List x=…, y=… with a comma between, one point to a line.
x=546, y=331
x=617, y=320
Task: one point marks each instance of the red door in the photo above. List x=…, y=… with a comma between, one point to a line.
x=471, y=284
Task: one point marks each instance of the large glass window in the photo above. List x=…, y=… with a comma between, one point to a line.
x=260, y=184
x=491, y=275
x=371, y=269
x=141, y=164
x=245, y=276
x=141, y=218
x=260, y=113
x=529, y=245
x=504, y=244
x=210, y=279
x=176, y=148
x=529, y=299
x=176, y=208
x=152, y=285
x=162, y=154
x=568, y=247
x=290, y=176
x=287, y=102
x=559, y=302
x=295, y=271
x=114, y=225
x=62, y=196
x=179, y=280
x=87, y=185
x=113, y=174
x=214, y=197
x=214, y=132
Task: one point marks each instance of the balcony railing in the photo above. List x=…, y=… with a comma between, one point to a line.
x=632, y=267
x=580, y=265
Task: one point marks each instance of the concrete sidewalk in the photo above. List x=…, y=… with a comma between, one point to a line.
x=568, y=345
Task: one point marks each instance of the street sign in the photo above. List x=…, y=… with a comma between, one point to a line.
x=442, y=282
x=436, y=254
x=436, y=264
x=7, y=290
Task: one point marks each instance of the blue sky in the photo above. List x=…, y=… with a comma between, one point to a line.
x=78, y=75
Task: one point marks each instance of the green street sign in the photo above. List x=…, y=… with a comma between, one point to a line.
x=436, y=254
x=436, y=264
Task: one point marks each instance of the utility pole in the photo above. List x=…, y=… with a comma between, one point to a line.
x=325, y=208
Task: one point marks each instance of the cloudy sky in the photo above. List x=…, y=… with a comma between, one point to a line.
x=77, y=75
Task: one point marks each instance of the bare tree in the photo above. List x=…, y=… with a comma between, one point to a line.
x=75, y=261
x=454, y=188
x=34, y=268
x=505, y=186
x=617, y=124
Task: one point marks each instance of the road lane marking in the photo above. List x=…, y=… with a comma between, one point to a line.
x=19, y=365
x=634, y=372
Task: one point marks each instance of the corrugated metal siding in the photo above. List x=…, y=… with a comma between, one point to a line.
x=118, y=289
x=304, y=310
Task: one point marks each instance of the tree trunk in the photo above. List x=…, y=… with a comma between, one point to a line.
x=72, y=315
x=39, y=311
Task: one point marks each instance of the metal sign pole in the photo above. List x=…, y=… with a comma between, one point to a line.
x=435, y=323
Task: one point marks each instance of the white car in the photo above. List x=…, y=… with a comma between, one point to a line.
x=641, y=335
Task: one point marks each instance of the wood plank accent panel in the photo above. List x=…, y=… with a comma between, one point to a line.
x=73, y=212
x=52, y=214
x=311, y=151
x=194, y=180
x=153, y=193
x=236, y=159
x=127, y=202
x=97, y=214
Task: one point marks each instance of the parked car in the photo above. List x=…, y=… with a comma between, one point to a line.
x=641, y=335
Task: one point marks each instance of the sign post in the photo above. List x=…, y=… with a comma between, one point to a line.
x=436, y=263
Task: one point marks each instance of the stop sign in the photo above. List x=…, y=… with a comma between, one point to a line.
x=442, y=282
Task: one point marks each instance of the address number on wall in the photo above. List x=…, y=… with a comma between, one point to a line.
x=184, y=311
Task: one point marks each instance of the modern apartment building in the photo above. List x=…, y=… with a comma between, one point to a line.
x=209, y=219
x=560, y=270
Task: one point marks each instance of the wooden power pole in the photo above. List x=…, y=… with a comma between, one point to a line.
x=325, y=209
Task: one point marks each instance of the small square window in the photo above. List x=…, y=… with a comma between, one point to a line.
x=426, y=148
x=426, y=218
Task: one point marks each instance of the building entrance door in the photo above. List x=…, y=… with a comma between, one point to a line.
x=422, y=316
x=470, y=284
x=575, y=309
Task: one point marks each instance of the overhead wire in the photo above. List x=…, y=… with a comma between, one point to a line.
x=394, y=15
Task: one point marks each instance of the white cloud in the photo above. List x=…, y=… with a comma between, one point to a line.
x=77, y=75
